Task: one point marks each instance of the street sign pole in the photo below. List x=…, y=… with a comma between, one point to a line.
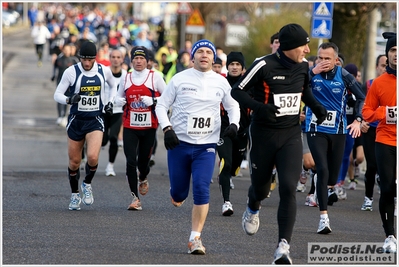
x=183, y=10
x=183, y=30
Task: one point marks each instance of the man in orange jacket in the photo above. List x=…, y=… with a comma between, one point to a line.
x=380, y=104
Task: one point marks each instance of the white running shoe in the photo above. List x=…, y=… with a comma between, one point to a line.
x=87, y=192
x=343, y=194
x=340, y=192
x=282, y=253
x=120, y=143
x=304, y=176
x=300, y=187
x=231, y=183
x=244, y=164
x=75, y=202
x=64, y=122
x=310, y=201
x=390, y=244
x=227, y=209
x=109, y=171
x=352, y=185
x=250, y=222
x=136, y=203
x=367, y=204
x=195, y=246
x=324, y=226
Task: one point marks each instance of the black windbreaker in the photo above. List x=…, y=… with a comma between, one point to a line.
x=270, y=76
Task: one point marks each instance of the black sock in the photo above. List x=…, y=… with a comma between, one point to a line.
x=90, y=171
x=74, y=180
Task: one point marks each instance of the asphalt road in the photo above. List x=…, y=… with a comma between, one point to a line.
x=38, y=228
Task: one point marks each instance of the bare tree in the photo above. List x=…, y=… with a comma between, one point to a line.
x=350, y=29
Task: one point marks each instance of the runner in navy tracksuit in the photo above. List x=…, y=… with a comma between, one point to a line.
x=330, y=85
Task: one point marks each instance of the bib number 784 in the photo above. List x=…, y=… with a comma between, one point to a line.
x=200, y=125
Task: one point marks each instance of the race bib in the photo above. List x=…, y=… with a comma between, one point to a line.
x=140, y=119
x=329, y=121
x=289, y=104
x=391, y=115
x=200, y=125
x=89, y=103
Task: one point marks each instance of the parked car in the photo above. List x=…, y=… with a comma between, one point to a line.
x=8, y=19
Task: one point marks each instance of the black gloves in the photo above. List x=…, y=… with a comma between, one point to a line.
x=320, y=112
x=108, y=109
x=74, y=99
x=231, y=131
x=170, y=139
x=268, y=112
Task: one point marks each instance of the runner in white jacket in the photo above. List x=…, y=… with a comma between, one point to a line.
x=194, y=96
x=40, y=34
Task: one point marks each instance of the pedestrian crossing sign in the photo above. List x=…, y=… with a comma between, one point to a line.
x=184, y=8
x=323, y=9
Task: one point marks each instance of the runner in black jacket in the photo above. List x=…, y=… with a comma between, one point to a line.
x=279, y=82
x=231, y=150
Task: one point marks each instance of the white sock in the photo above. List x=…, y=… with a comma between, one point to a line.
x=194, y=234
x=324, y=216
x=110, y=164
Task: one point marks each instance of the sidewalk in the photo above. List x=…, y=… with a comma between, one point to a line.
x=7, y=55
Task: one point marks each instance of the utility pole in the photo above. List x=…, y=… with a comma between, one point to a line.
x=371, y=47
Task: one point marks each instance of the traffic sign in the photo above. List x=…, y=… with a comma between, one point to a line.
x=323, y=9
x=195, y=19
x=322, y=28
x=184, y=8
x=322, y=20
x=195, y=23
x=236, y=35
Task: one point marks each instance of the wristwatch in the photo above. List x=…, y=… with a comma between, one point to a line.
x=359, y=119
x=154, y=100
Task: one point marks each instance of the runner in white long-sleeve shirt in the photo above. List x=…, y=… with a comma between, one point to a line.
x=194, y=96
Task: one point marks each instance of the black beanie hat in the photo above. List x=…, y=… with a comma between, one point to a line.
x=292, y=36
x=235, y=56
x=139, y=51
x=391, y=36
x=352, y=69
x=88, y=50
x=218, y=61
x=151, y=55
